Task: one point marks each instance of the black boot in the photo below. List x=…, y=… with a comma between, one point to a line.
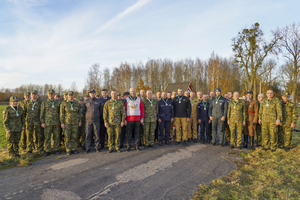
x=245, y=141
x=252, y=142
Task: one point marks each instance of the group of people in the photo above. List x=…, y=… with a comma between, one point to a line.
x=145, y=117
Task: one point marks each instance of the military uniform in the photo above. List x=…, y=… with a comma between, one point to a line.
x=236, y=115
x=33, y=125
x=193, y=120
x=150, y=110
x=172, y=127
x=50, y=117
x=114, y=114
x=70, y=116
x=227, y=128
x=81, y=131
x=258, y=130
x=23, y=133
x=13, y=120
x=269, y=112
x=251, y=121
x=289, y=116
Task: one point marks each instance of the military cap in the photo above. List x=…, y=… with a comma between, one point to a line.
x=71, y=93
x=13, y=98
x=98, y=94
x=249, y=92
x=34, y=92
x=218, y=89
x=26, y=93
x=86, y=95
x=126, y=93
x=285, y=94
x=80, y=99
x=57, y=94
x=119, y=94
x=51, y=91
x=65, y=93
x=92, y=90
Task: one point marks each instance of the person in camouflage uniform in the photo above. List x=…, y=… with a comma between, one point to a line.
x=270, y=114
x=50, y=122
x=114, y=116
x=236, y=117
x=151, y=109
x=70, y=119
x=260, y=98
x=23, y=133
x=226, y=126
x=289, y=118
x=32, y=110
x=57, y=96
x=13, y=121
x=81, y=132
x=193, y=120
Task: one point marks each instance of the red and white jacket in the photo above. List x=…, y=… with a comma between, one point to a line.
x=134, y=110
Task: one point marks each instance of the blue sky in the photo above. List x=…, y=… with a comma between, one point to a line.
x=56, y=41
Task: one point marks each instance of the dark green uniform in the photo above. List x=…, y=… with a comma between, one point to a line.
x=150, y=110
x=81, y=131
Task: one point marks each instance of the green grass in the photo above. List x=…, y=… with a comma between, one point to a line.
x=2, y=130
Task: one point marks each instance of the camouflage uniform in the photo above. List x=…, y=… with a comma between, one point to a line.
x=289, y=116
x=23, y=133
x=269, y=112
x=193, y=120
x=33, y=125
x=50, y=117
x=151, y=110
x=114, y=114
x=70, y=116
x=236, y=114
x=13, y=121
x=81, y=131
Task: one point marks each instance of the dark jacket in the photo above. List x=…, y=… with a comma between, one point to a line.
x=165, y=112
x=183, y=109
x=218, y=109
x=92, y=109
x=202, y=113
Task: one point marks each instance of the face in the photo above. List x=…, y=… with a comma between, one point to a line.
x=249, y=96
x=92, y=94
x=204, y=98
x=229, y=95
x=179, y=92
x=158, y=94
x=226, y=96
x=104, y=94
x=169, y=95
x=236, y=96
x=149, y=94
x=285, y=98
x=154, y=96
x=81, y=102
x=56, y=97
x=125, y=96
x=218, y=93
x=71, y=97
x=142, y=93
x=119, y=97
x=199, y=95
x=164, y=95
x=26, y=97
x=34, y=96
x=113, y=95
x=192, y=95
x=51, y=96
x=260, y=97
x=270, y=94
x=86, y=98
x=65, y=97
x=132, y=92
x=212, y=94
x=14, y=103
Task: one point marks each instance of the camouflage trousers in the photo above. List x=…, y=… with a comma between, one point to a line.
x=23, y=139
x=236, y=127
x=71, y=133
x=39, y=138
x=287, y=131
x=113, y=133
x=227, y=132
x=48, y=131
x=269, y=129
x=13, y=140
x=149, y=130
x=258, y=136
x=183, y=122
x=81, y=136
x=192, y=123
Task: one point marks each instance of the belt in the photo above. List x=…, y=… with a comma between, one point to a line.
x=251, y=112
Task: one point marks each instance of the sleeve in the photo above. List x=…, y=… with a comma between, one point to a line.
x=255, y=119
x=210, y=108
x=62, y=113
x=42, y=114
x=158, y=111
x=23, y=118
x=142, y=110
x=244, y=112
x=83, y=109
x=225, y=108
x=294, y=114
x=123, y=113
x=189, y=109
x=105, y=113
x=229, y=111
x=5, y=119
x=279, y=111
x=125, y=108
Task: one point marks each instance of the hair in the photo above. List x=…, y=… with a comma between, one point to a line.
x=104, y=90
x=230, y=92
x=169, y=92
x=113, y=90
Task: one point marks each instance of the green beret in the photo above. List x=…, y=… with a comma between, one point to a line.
x=71, y=93
x=27, y=94
x=34, y=92
x=13, y=98
x=51, y=91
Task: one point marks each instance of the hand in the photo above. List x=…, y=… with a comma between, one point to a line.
x=79, y=124
x=223, y=119
x=228, y=122
x=259, y=121
x=23, y=128
x=125, y=122
x=142, y=121
x=209, y=121
x=106, y=124
x=62, y=126
x=159, y=120
x=122, y=124
x=244, y=123
x=172, y=119
x=44, y=125
x=187, y=119
x=277, y=122
x=211, y=118
x=292, y=125
x=8, y=132
x=199, y=121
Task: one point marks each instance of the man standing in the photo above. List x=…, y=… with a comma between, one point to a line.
x=236, y=117
x=49, y=118
x=23, y=133
x=150, y=110
x=165, y=117
x=142, y=94
x=193, y=119
x=270, y=114
x=199, y=96
x=174, y=94
x=226, y=126
x=289, y=118
x=113, y=116
x=134, y=116
x=187, y=94
x=65, y=95
x=92, y=110
x=203, y=119
x=81, y=132
x=70, y=119
x=182, y=114
x=158, y=95
x=157, y=130
x=103, y=133
x=251, y=120
x=33, y=124
x=57, y=96
x=229, y=95
x=260, y=98
x=218, y=113
x=211, y=95
x=123, y=129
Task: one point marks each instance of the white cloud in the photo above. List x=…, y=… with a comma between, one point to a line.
x=30, y=3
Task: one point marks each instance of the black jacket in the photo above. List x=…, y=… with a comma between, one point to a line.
x=202, y=112
x=183, y=109
x=165, y=112
x=92, y=109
